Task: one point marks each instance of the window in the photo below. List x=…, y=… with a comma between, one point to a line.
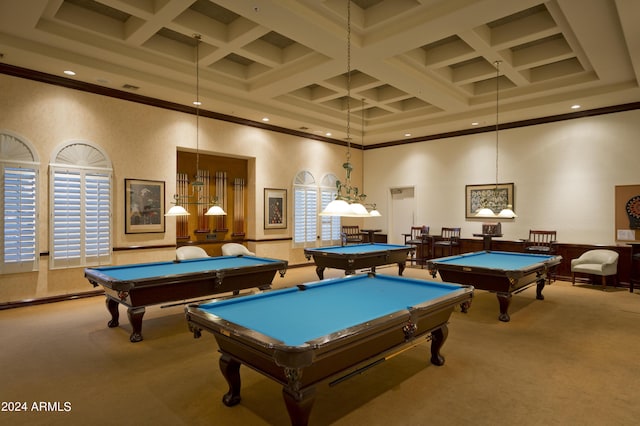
x=330, y=225
x=18, y=203
x=80, y=205
x=305, y=210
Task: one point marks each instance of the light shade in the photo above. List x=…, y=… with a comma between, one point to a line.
x=374, y=213
x=215, y=210
x=177, y=211
x=359, y=210
x=485, y=212
x=507, y=213
x=336, y=208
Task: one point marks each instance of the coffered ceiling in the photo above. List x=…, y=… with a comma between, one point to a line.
x=419, y=67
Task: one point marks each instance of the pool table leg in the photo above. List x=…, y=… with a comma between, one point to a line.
x=437, y=340
x=504, y=299
x=135, y=318
x=539, y=286
x=401, y=266
x=231, y=371
x=112, y=307
x=320, y=272
x=299, y=404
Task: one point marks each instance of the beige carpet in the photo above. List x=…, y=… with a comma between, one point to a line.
x=572, y=359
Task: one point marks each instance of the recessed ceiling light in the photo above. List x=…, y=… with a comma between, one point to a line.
x=475, y=123
x=265, y=119
x=69, y=72
x=406, y=135
x=328, y=134
x=197, y=103
x=576, y=106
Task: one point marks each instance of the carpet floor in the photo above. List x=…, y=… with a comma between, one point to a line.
x=572, y=359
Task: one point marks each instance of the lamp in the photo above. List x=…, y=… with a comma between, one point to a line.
x=197, y=185
x=349, y=202
x=485, y=211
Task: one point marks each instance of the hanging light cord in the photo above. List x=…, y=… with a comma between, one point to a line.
x=497, y=63
x=348, y=81
x=197, y=104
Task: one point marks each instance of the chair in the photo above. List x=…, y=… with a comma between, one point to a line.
x=448, y=239
x=418, y=238
x=540, y=242
x=596, y=262
x=350, y=234
x=235, y=249
x=190, y=252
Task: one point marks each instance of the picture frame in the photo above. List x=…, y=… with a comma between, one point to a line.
x=144, y=206
x=478, y=196
x=275, y=208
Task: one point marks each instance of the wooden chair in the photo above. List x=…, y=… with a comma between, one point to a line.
x=418, y=238
x=540, y=242
x=350, y=234
x=448, y=239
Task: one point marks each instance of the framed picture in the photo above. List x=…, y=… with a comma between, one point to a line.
x=144, y=206
x=275, y=208
x=493, y=196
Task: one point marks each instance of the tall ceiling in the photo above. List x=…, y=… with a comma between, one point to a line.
x=418, y=67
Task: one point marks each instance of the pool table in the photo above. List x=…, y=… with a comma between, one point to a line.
x=139, y=285
x=504, y=273
x=358, y=256
x=325, y=331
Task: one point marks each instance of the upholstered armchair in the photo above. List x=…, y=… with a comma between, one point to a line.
x=596, y=262
x=235, y=249
x=190, y=252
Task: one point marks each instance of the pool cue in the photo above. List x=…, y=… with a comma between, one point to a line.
x=376, y=362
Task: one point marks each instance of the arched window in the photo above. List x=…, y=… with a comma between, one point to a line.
x=19, y=165
x=329, y=225
x=80, y=206
x=305, y=210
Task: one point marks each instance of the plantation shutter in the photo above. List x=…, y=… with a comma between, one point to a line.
x=19, y=222
x=305, y=215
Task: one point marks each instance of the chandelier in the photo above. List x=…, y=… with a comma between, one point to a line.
x=197, y=186
x=495, y=201
x=349, y=201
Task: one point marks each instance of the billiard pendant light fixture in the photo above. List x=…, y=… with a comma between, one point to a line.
x=349, y=202
x=485, y=211
x=197, y=186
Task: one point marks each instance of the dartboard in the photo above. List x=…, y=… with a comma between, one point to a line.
x=633, y=207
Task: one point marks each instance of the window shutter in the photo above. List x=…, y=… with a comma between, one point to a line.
x=67, y=218
x=97, y=227
x=330, y=224
x=19, y=221
x=305, y=215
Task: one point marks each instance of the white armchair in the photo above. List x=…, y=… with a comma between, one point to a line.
x=190, y=252
x=235, y=249
x=596, y=262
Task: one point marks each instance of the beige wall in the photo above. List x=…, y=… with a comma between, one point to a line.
x=141, y=142
x=564, y=174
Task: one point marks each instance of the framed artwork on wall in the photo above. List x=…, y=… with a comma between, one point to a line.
x=275, y=208
x=144, y=206
x=493, y=196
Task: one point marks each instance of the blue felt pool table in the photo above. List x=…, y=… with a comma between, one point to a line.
x=352, y=257
x=504, y=273
x=138, y=285
x=325, y=331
